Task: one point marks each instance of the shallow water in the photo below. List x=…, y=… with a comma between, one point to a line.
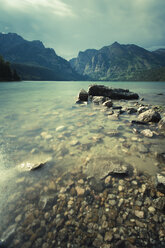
x=40, y=123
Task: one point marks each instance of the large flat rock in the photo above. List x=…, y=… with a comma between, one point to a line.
x=112, y=93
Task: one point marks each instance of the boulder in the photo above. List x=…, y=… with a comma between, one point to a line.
x=149, y=116
x=98, y=100
x=83, y=96
x=112, y=93
x=161, y=124
x=108, y=104
x=114, y=169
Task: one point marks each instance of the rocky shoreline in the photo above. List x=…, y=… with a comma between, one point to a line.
x=104, y=203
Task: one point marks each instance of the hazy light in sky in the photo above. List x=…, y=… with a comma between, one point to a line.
x=73, y=25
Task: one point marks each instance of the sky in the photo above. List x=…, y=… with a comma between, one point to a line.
x=70, y=26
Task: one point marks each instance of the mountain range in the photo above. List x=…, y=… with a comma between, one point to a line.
x=120, y=62
x=116, y=62
x=33, y=61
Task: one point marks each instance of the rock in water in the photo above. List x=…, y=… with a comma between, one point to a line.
x=161, y=183
x=112, y=93
x=161, y=124
x=108, y=104
x=147, y=133
x=149, y=116
x=98, y=100
x=83, y=96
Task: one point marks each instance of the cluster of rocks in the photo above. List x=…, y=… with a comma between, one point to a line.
x=121, y=207
x=79, y=211
x=148, y=121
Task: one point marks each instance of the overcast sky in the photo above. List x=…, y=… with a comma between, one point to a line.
x=70, y=26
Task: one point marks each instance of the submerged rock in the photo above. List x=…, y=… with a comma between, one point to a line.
x=147, y=133
x=114, y=169
x=161, y=124
x=108, y=104
x=112, y=93
x=161, y=182
x=149, y=116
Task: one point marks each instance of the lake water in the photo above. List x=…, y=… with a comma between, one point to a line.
x=40, y=123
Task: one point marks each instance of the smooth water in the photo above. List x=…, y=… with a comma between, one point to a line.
x=39, y=122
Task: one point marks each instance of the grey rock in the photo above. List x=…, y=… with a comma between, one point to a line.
x=108, y=104
x=118, y=108
x=131, y=110
x=159, y=203
x=83, y=96
x=142, y=109
x=98, y=100
x=114, y=169
x=149, y=116
x=161, y=124
x=139, y=214
x=112, y=93
x=138, y=122
x=147, y=133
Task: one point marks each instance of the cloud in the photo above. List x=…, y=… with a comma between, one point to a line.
x=74, y=25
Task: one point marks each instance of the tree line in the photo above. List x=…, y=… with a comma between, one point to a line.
x=6, y=71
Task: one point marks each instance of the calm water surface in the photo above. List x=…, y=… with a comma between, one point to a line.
x=40, y=123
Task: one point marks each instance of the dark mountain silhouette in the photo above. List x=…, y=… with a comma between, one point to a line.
x=33, y=61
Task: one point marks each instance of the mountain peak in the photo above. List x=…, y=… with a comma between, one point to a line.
x=115, y=44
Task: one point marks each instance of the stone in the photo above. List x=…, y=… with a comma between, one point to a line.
x=159, y=203
x=60, y=129
x=18, y=218
x=112, y=93
x=139, y=214
x=151, y=209
x=112, y=202
x=98, y=100
x=138, y=122
x=28, y=166
x=80, y=191
x=149, y=116
x=74, y=143
x=111, y=168
x=83, y=95
x=161, y=124
x=160, y=182
x=108, y=236
x=131, y=110
x=46, y=136
x=142, y=109
x=147, y=133
x=108, y=104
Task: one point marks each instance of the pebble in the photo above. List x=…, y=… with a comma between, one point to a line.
x=60, y=129
x=139, y=214
x=151, y=209
x=108, y=236
x=80, y=191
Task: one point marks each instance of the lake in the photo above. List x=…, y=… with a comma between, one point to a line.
x=41, y=124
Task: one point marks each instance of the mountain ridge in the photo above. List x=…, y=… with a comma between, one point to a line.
x=117, y=62
x=17, y=50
